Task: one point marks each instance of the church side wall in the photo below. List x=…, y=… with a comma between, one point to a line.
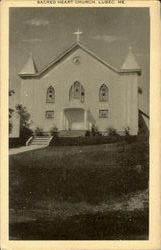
x=131, y=96
x=134, y=105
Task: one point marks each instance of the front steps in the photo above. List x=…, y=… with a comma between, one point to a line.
x=41, y=140
x=71, y=133
x=45, y=139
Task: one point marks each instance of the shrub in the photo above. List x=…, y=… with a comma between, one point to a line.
x=127, y=131
x=54, y=131
x=39, y=131
x=25, y=132
x=111, y=131
x=10, y=127
x=82, y=141
x=10, y=120
x=16, y=142
x=129, y=138
x=87, y=133
x=94, y=130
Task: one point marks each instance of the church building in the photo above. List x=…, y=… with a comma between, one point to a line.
x=78, y=90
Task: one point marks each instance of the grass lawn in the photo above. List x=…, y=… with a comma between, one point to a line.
x=80, y=193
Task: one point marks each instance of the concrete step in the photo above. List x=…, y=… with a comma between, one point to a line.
x=36, y=144
x=41, y=140
x=42, y=137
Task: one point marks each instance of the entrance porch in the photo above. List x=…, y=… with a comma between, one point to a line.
x=74, y=119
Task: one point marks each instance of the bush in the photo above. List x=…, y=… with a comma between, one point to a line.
x=87, y=133
x=39, y=131
x=17, y=142
x=112, y=131
x=54, y=131
x=10, y=127
x=88, y=140
x=127, y=131
x=25, y=132
x=94, y=130
x=10, y=120
x=129, y=138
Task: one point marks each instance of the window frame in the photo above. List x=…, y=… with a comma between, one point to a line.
x=73, y=95
x=103, y=110
x=107, y=93
x=50, y=111
x=48, y=93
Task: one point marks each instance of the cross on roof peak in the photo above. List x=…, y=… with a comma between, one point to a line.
x=78, y=33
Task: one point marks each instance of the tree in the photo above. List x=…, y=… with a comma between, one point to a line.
x=24, y=116
x=10, y=122
x=25, y=131
x=11, y=92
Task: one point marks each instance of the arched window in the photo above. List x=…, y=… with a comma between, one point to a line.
x=50, y=95
x=76, y=92
x=103, y=93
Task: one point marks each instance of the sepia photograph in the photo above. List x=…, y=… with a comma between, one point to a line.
x=79, y=123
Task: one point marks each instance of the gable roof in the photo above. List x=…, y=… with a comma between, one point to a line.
x=66, y=53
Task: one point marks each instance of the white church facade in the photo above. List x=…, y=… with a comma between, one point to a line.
x=78, y=90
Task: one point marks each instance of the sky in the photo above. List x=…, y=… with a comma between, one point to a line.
x=108, y=32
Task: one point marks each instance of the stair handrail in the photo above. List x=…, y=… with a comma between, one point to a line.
x=29, y=140
x=50, y=140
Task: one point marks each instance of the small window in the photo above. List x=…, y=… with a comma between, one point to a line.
x=49, y=114
x=50, y=95
x=103, y=113
x=103, y=93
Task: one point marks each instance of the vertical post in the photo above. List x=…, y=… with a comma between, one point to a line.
x=61, y=120
x=66, y=124
x=64, y=121
x=85, y=119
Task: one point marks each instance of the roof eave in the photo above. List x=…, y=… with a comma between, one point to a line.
x=121, y=71
x=74, y=46
x=138, y=71
x=28, y=75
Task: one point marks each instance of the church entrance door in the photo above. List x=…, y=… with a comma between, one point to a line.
x=74, y=119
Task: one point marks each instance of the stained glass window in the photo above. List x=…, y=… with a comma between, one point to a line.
x=50, y=96
x=77, y=92
x=103, y=93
